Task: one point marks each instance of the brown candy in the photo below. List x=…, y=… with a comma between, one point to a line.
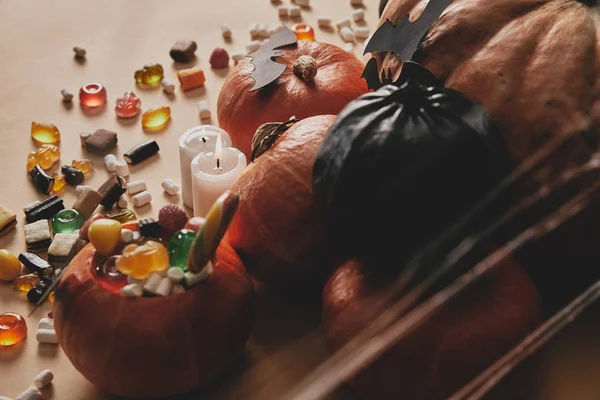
x=183, y=51
x=87, y=202
x=102, y=141
x=111, y=190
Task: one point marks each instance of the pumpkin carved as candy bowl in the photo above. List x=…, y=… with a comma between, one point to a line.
x=149, y=347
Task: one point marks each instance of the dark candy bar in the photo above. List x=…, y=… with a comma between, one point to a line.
x=42, y=181
x=111, y=190
x=35, y=293
x=141, y=152
x=72, y=175
x=149, y=227
x=35, y=263
x=45, y=210
x=101, y=142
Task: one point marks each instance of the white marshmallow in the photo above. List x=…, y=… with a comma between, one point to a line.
x=122, y=203
x=170, y=186
x=66, y=95
x=362, y=32
x=141, y=199
x=263, y=30
x=126, y=235
x=203, y=109
x=325, y=22
x=31, y=393
x=295, y=12
x=226, y=31
x=165, y=287
x=167, y=85
x=253, y=29
x=343, y=22
x=357, y=3
x=303, y=3
x=136, y=186
x=122, y=168
x=192, y=279
x=274, y=29
x=83, y=137
x=43, y=379
x=358, y=15
x=237, y=56
x=46, y=323
x=284, y=11
x=253, y=46
x=80, y=188
x=347, y=34
x=349, y=47
x=46, y=336
x=175, y=274
x=177, y=289
x=132, y=290
x=152, y=282
x=110, y=161
x=79, y=51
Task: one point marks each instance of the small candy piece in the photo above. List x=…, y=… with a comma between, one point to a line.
x=149, y=75
x=325, y=22
x=35, y=263
x=349, y=47
x=347, y=34
x=149, y=227
x=343, y=22
x=183, y=51
x=122, y=169
x=42, y=181
x=253, y=31
x=35, y=294
x=304, y=32
x=83, y=232
x=303, y=3
x=59, y=183
x=122, y=203
x=136, y=187
x=31, y=393
x=295, y=12
x=253, y=46
x=237, y=56
x=358, y=15
x=37, y=235
x=46, y=336
x=79, y=51
x=204, y=109
x=43, y=379
x=84, y=166
x=80, y=188
x=60, y=250
x=156, y=118
x=45, y=156
x=141, y=199
x=83, y=136
x=126, y=236
x=105, y=234
x=68, y=221
x=72, y=175
x=357, y=3
x=170, y=186
x=177, y=289
x=164, y=287
x=27, y=209
x=10, y=266
x=152, y=283
x=142, y=260
x=24, y=283
x=141, y=152
x=219, y=58
x=226, y=31
x=175, y=274
x=92, y=95
x=179, y=248
x=194, y=224
x=191, y=279
x=101, y=142
x=362, y=32
x=172, y=218
x=168, y=86
x=67, y=96
x=191, y=78
x=46, y=323
x=45, y=210
x=8, y=220
x=283, y=11
x=263, y=30
x=87, y=203
x=123, y=216
x=111, y=190
x=132, y=290
x=128, y=106
x=110, y=161
x=42, y=133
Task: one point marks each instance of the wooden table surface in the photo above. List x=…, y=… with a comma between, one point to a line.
x=36, y=40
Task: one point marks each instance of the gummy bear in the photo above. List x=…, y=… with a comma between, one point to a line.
x=13, y=329
x=45, y=156
x=149, y=75
x=139, y=261
x=24, y=283
x=44, y=133
x=92, y=95
x=128, y=106
x=156, y=118
x=84, y=166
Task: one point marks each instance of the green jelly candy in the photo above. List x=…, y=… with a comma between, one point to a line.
x=67, y=221
x=179, y=248
x=122, y=216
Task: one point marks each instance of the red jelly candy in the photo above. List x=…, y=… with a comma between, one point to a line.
x=128, y=106
x=92, y=95
x=13, y=329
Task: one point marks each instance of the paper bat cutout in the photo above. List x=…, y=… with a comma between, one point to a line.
x=410, y=70
x=266, y=70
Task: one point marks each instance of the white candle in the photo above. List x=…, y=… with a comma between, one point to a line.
x=213, y=174
x=194, y=141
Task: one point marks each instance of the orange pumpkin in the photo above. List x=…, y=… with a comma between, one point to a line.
x=450, y=349
x=277, y=230
x=153, y=346
x=338, y=81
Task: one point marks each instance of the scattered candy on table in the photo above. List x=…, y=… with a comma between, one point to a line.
x=43, y=133
x=253, y=46
x=347, y=34
x=31, y=393
x=41, y=180
x=141, y=199
x=80, y=188
x=283, y=11
x=36, y=264
x=128, y=106
x=72, y=175
x=37, y=291
x=43, y=379
x=61, y=248
x=141, y=152
x=358, y=15
x=226, y=32
x=101, y=142
x=87, y=202
x=136, y=186
x=325, y=22
x=204, y=109
x=67, y=221
x=37, y=235
x=44, y=210
x=168, y=86
x=79, y=51
x=84, y=166
x=111, y=190
x=46, y=336
x=191, y=78
x=122, y=203
x=357, y=3
x=183, y=51
x=24, y=283
x=149, y=75
x=295, y=12
x=83, y=137
x=13, y=329
x=219, y=58
x=156, y=118
x=105, y=234
x=361, y=32
x=349, y=47
x=343, y=22
x=10, y=266
x=8, y=220
x=170, y=186
x=110, y=161
x=92, y=95
x=304, y=32
x=67, y=96
x=59, y=183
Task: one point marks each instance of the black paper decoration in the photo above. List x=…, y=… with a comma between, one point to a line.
x=266, y=70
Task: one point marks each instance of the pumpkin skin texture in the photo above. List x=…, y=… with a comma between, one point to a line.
x=338, y=81
x=447, y=351
x=154, y=346
x=277, y=230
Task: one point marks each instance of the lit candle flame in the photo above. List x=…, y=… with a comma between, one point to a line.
x=219, y=151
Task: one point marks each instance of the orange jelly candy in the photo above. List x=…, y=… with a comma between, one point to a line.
x=13, y=329
x=304, y=32
x=92, y=95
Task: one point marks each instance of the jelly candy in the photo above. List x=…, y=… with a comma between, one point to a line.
x=179, y=248
x=304, y=32
x=13, y=329
x=156, y=118
x=149, y=75
x=92, y=95
x=122, y=216
x=45, y=156
x=73, y=176
x=10, y=266
x=128, y=106
x=105, y=234
x=59, y=183
x=44, y=133
x=84, y=166
x=139, y=261
x=67, y=221
x=51, y=297
x=109, y=277
x=25, y=282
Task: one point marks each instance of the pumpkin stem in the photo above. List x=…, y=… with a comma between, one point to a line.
x=305, y=67
x=266, y=134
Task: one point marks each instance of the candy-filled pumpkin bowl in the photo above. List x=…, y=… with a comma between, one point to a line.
x=149, y=347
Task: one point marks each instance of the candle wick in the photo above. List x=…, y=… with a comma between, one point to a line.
x=203, y=139
x=218, y=164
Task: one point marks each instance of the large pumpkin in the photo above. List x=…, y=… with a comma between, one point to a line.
x=153, y=346
x=450, y=349
x=277, y=230
x=338, y=81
